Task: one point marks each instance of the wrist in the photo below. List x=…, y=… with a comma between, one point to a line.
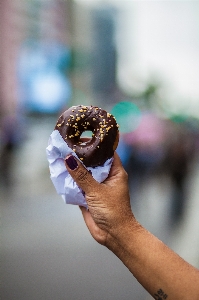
x=119, y=237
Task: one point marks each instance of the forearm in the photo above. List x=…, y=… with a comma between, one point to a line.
x=158, y=269
x=110, y=221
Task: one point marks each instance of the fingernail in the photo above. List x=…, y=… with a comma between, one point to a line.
x=71, y=162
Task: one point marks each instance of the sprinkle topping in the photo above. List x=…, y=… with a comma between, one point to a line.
x=78, y=119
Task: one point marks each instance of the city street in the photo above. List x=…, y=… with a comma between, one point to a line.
x=47, y=252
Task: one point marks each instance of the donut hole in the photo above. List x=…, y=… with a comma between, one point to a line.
x=86, y=136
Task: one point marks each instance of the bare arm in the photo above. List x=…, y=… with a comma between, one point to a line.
x=111, y=222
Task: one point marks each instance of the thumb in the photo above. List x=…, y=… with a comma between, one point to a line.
x=81, y=175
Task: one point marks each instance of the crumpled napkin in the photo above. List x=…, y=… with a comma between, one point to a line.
x=56, y=151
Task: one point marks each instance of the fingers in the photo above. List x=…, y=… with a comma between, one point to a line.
x=116, y=166
x=87, y=217
x=81, y=175
x=117, y=162
x=98, y=234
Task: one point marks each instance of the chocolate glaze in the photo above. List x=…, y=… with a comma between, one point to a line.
x=77, y=119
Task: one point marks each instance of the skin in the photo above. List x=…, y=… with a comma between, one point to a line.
x=111, y=222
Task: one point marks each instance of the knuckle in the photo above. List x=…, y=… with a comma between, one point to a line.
x=82, y=175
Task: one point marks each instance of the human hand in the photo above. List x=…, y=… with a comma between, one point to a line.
x=108, y=202
x=112, y=223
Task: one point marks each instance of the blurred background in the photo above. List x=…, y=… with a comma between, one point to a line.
x=136, y=59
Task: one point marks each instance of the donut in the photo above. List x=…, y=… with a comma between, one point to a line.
x=105, y=133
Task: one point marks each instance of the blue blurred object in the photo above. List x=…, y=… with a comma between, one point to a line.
x=50, y=91
x=43, y=68
x=124, y=151
x=128, y=116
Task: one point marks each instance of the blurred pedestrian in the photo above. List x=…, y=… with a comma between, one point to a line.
x=178, y=162
x=11, y=137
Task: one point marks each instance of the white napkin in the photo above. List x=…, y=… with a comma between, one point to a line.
x=64, y=184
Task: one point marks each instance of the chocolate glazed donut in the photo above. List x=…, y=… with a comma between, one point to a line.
x=77, y=119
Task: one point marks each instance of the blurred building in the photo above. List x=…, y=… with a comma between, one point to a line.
x=22, y=21
x=103, y=54
x=45, y=56
x=34, y=61
x=11, y=36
